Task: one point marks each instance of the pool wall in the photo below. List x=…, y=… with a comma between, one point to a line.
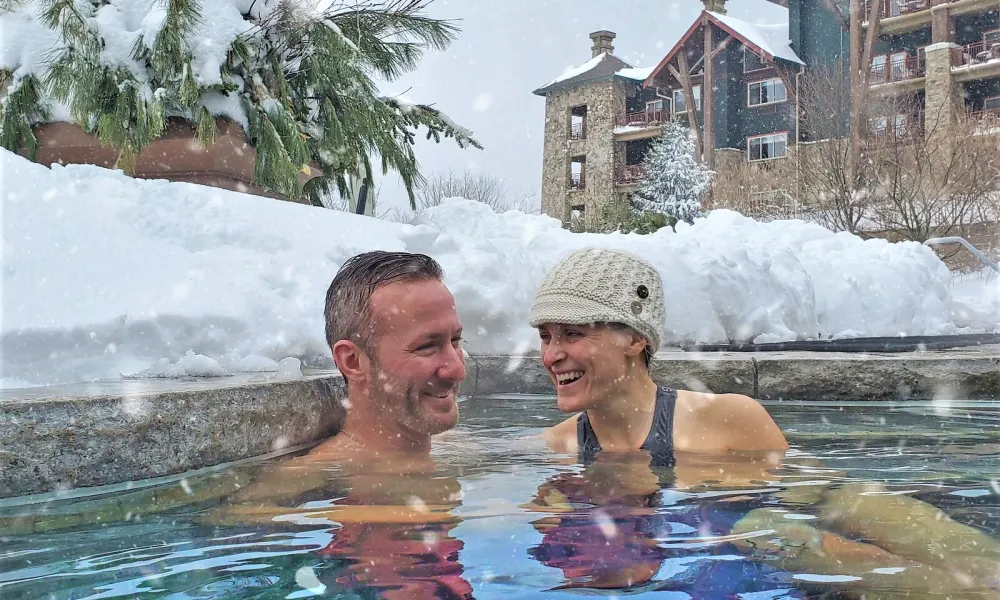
x=83, y=436
x=64, y=437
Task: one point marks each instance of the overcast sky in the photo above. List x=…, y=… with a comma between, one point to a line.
x=506, y=49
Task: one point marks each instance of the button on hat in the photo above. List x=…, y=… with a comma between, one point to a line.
x=601, y=285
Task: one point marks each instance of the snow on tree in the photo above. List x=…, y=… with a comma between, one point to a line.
x=298, y=78
x=674, y=180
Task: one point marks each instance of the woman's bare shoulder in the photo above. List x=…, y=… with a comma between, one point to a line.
x=561, y=438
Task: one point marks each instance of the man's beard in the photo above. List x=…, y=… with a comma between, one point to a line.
x=399, y=400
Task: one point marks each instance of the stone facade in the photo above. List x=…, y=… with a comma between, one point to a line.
x=604, y=101
x=943, y=99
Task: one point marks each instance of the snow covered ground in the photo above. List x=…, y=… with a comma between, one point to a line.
x=105, y=275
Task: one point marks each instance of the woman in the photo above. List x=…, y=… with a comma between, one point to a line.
x=599, y=314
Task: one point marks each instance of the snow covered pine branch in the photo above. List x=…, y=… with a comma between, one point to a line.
x=297, y=78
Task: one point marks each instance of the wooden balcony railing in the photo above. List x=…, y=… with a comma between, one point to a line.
x=647, y=118
x=978, y=53
x=629, y=174
x=577, y=181
x=912, y=67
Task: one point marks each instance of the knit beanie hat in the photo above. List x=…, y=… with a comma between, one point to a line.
x=600, y=285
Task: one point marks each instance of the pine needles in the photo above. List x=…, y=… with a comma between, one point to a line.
x=303, y=80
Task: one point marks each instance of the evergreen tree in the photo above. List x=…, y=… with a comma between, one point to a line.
x=302, y=82
x=674, y=180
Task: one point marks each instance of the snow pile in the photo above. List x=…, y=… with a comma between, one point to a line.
x=105, y=275
x=977, y=299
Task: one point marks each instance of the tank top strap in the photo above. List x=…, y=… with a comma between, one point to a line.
x=586, y=439
x=660, y=441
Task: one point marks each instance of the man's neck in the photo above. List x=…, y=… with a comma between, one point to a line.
x=622, y=421
x=368, y=429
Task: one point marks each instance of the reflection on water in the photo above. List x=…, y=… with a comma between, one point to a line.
x=873, y=500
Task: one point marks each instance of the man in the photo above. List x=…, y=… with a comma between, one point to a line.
x=395, y=335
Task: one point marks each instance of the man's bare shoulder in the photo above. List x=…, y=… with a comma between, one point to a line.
x=724, y=422
x=561, y=438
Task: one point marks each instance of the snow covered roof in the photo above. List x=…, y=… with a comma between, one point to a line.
x=602, y=66
x=770, y=41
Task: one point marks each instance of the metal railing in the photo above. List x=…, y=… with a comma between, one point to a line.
x=646, y=118
x=629, y=174
x=968, y=246
x=912, y=67
x=577, y=181
x=898, y=8
x=976, y=54
x=578, y=131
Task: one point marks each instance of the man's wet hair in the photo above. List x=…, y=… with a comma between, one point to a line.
x=348, y=311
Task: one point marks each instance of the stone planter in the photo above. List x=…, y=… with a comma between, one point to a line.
x=176, y=156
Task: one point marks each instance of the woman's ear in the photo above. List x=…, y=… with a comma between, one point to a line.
x=637, y=345
x=352, y=362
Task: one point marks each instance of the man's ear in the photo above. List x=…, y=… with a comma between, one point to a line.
x=352, y=362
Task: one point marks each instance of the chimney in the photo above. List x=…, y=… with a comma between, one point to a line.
x=602, y=42
x=716, y=6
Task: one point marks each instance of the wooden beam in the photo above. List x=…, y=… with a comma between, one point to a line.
x=722, y=46
x=685, y=80
x=707, y=96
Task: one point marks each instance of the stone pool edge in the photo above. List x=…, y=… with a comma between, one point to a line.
x=89, y=440
x=66, y=441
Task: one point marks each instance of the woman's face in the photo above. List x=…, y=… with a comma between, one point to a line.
x=585, y=362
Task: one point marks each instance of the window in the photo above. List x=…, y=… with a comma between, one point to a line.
x=578, y=173
x=878, y=68
x=991, y=37
x=769, y=91
x=767, y=147
x=751, y=61
x=992, y=103
x=680, y=102
x=899, y=66
x=879, y=126
x=900, y=125
x=578, y=123
x=654, y=105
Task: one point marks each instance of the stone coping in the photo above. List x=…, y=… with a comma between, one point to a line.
x=65, y=437
x=967, y=373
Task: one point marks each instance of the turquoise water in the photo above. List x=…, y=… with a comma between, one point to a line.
x=497, y=516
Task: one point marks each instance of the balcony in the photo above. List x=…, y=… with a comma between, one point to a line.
x=577, y=181
x=648, y=118
x=913, y=66
x=629, y=174
x=898, y=128
x=977, y=54
x=985, y=122
x=578, y=131
x=898, y=8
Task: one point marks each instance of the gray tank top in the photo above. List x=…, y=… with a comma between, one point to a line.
x=659, y=443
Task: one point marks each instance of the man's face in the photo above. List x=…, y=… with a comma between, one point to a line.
x=418, y=362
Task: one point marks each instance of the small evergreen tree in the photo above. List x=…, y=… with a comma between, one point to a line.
x=674, y=180
x=301, y=81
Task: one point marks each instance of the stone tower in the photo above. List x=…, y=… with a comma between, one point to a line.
x=581, y=111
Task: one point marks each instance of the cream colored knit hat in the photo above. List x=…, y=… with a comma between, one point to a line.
x=600, y=285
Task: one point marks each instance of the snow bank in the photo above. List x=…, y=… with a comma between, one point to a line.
x=106, y=275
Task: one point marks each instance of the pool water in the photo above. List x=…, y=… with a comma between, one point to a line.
x=880, y=500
